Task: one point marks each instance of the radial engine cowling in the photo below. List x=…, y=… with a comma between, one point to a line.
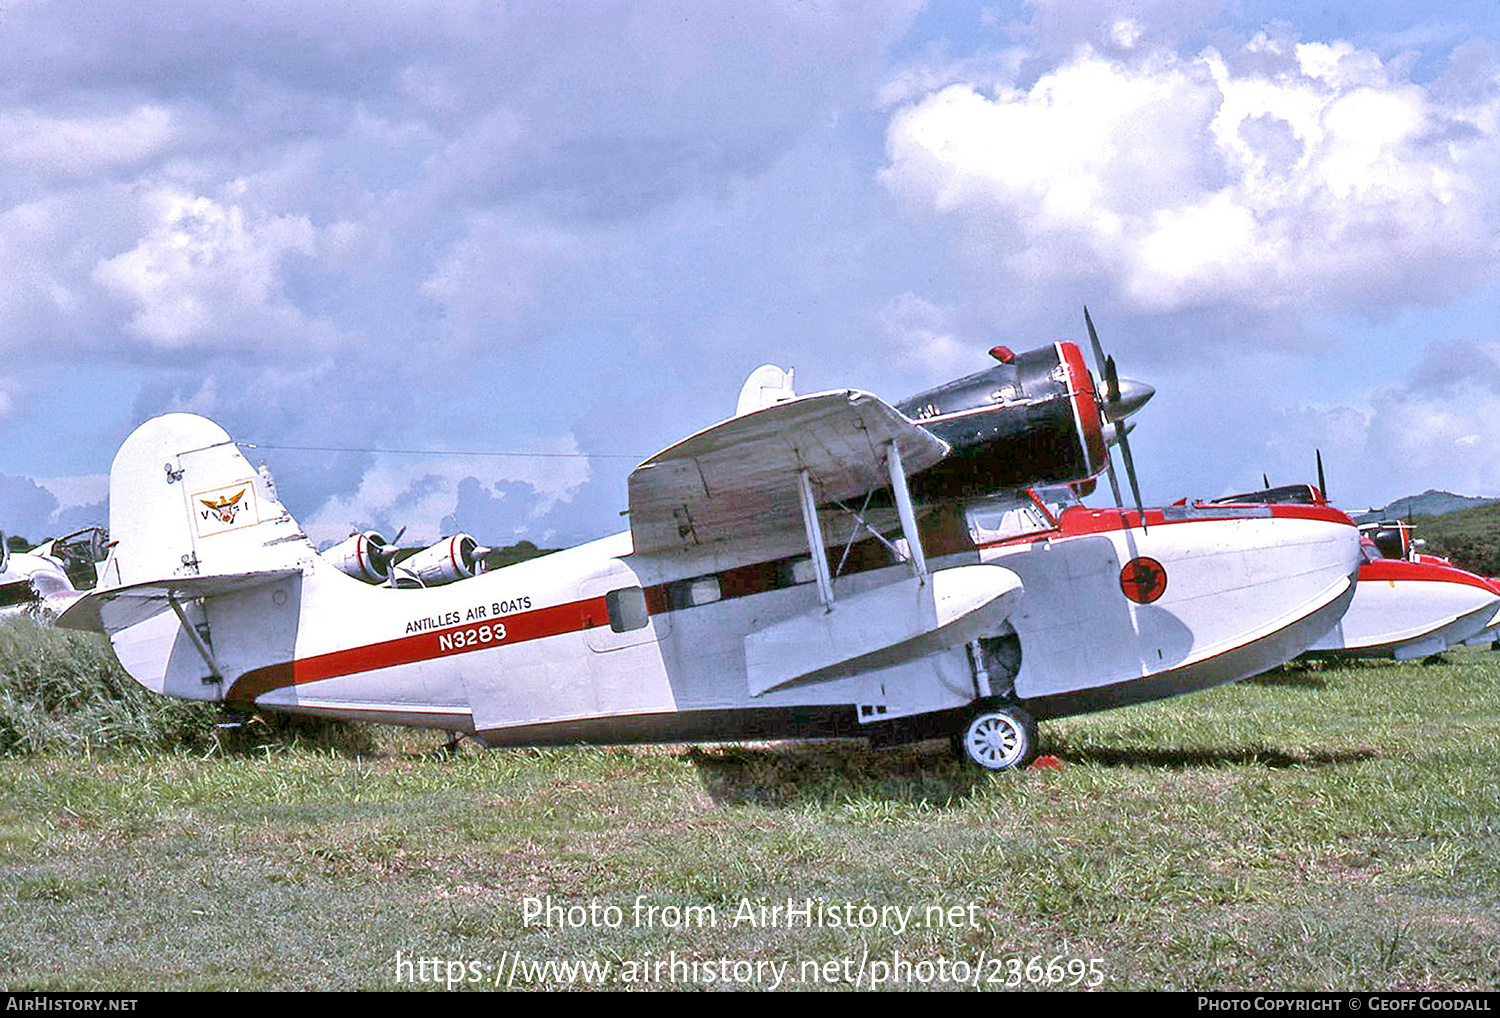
x=453, y=558
x=363, y=556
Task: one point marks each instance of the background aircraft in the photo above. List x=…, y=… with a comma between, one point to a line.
x=45, y=580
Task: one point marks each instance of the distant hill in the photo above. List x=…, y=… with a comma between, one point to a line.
x=1429, y=503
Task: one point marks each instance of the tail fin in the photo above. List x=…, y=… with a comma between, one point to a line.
x=183, y=501
x=203, y=582
x=766, y=386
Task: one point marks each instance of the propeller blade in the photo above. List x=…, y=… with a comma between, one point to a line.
x=1114, y=429
x=385, y=551
x=1265, y=481
x=1116, y=405
x=1114, y=482
x=1135, y=488
x=1322, y=484
x=1094, y=339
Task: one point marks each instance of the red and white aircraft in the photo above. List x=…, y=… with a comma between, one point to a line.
x=1409, y=605
x=1406, y=604
x=816, y=566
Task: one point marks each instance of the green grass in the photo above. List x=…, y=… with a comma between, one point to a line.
x=1328, y=828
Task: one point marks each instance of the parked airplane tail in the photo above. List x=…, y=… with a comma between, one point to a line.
x=185, y=502
x=198, y=537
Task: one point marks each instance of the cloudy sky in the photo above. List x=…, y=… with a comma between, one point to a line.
x=555, y=238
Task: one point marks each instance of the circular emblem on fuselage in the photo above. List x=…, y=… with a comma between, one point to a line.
x=1143, y=580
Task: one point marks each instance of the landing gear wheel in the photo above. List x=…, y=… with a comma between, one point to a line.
x=999, y=738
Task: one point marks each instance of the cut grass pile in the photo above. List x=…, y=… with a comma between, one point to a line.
x=1328, y=828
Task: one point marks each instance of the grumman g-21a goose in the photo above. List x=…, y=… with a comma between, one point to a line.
x=41, y=582
x=1406, y=605
x=779, y=580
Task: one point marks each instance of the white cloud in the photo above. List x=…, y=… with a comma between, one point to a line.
x=1284, y=177
x=420, y=492
x=922, y=334
x=10, y=397
x=83, y=490
x=1421, y=440
x=206, y=271
x=493, y=275
x=79, y=146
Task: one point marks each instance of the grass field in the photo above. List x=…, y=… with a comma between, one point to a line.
x=1331, y=828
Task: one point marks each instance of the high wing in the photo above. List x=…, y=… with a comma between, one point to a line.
x=739, y=481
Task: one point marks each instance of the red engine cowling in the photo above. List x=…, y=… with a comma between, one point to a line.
x=1033, y=418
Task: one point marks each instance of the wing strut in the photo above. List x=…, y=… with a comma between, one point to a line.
x=815, y=538
x=904, y=511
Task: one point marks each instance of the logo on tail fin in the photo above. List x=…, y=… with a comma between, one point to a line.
x=227, y=508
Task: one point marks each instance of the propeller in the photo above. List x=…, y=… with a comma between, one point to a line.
x=383, y=554
x=1119, y=399
x=1322, y=484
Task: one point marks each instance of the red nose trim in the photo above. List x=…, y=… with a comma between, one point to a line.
x=1003, y=354
x=1085, y=406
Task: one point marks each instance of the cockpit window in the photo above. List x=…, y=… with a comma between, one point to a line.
x=998, y=522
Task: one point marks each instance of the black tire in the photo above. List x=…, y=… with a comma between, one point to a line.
x=998, y=738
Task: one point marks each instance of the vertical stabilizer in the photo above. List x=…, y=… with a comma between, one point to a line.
x=185, y=502
x=766, y=386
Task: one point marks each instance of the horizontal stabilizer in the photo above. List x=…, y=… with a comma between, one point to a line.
x=115, y=608
x=883, y=627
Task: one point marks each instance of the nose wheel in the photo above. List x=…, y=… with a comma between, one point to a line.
x=998, y=738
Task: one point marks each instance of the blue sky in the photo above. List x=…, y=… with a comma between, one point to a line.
x=573, y=229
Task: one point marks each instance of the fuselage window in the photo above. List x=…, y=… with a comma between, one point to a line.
x=627, y=609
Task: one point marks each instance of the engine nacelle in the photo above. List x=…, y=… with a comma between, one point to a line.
x=453, y=558
x=362, y=556
x=1033, y=418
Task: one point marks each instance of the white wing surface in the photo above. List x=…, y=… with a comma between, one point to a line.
x=737, y=482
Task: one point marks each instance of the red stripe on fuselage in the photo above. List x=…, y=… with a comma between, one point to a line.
x=481, y=634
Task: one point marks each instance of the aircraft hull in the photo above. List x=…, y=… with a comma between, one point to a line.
x=1405, y=610
x=34, y=585
x=1242, y=595
x=1240, y=590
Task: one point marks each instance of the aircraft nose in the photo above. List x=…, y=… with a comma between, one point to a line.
x=1131, y=397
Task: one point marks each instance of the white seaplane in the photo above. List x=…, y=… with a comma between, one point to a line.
x=40, y=582
x=821, y=565
x=1410, y=605
x=1406, y=604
